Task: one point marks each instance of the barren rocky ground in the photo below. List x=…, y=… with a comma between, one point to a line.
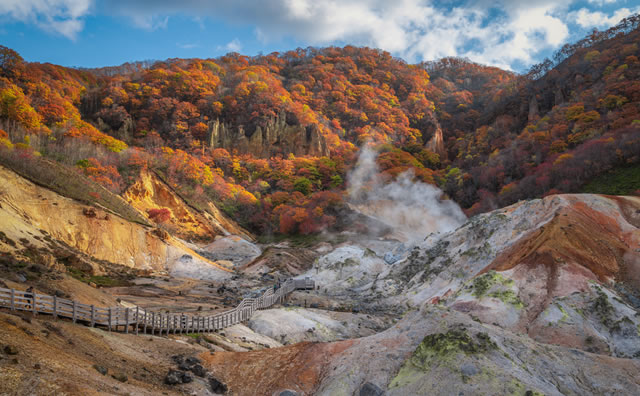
x=541, y=297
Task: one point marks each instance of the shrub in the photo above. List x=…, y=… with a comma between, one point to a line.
x=161, y=215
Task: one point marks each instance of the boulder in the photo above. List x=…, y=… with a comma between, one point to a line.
x=369, y=389
x=120, y=376
x=217, y=386
x=10, y=350
x=231, y=249
x=199, y=370
x=174, y=377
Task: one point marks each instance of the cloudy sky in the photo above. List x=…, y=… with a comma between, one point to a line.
x=511, y=34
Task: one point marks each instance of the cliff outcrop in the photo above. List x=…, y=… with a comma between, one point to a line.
x=150, y=193
x=276, y=137
x=35, y=219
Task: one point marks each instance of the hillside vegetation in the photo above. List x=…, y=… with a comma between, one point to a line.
x=270, y=139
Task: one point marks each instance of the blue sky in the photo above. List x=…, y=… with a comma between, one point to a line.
x=507, y=33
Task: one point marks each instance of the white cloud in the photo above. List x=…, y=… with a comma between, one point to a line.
x=64, y=17
x=187, y=45
x=232, y=46
x=590, y=19
x=150, y=22
x=602, y=2
x=497, y=32
x=413, y=29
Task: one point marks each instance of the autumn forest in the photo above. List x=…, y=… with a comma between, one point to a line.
x=271, y=139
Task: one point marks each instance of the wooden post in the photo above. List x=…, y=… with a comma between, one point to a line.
x=153, y=323
x=137, y=319
x=145, y=322
x=182, y=324
x=93, y=316
x=13, y=299
x=126, y=320
x=109, y=319
x=35, y=309
x=74, y=311
x=55, y=307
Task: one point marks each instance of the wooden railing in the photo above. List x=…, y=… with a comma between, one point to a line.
x=141, y=320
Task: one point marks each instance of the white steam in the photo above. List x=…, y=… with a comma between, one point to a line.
x=413, y=209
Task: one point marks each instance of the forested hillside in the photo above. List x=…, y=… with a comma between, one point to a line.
x=271, y=138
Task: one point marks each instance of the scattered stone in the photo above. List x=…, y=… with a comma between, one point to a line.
x=37, y=366
x=122, y=377
x=193, y=360
x=288, y=392
x=89, y=212
x=199, y=370
x=178, y=359
x=217, y=386
x=174, y=377
x=369, y=389
x=93, y=285
x=469, y=369
x=10, y=350
x=186, y=378
x=391, y=258
x=100, y=369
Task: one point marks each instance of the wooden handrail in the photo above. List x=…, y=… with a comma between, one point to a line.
x=115, y=317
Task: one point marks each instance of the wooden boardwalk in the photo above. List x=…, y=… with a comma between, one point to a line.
x=138, y=320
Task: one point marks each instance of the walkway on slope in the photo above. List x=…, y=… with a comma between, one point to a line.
x=140, y=320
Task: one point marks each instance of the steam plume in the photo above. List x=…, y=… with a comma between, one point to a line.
x=413, y=209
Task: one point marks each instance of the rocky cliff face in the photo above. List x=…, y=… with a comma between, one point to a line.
x=541, y=297
x=277, y=137
x=436, y=142
x=149, y=192
x=34, y=219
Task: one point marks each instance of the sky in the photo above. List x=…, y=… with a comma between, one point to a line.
x=511, y=34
